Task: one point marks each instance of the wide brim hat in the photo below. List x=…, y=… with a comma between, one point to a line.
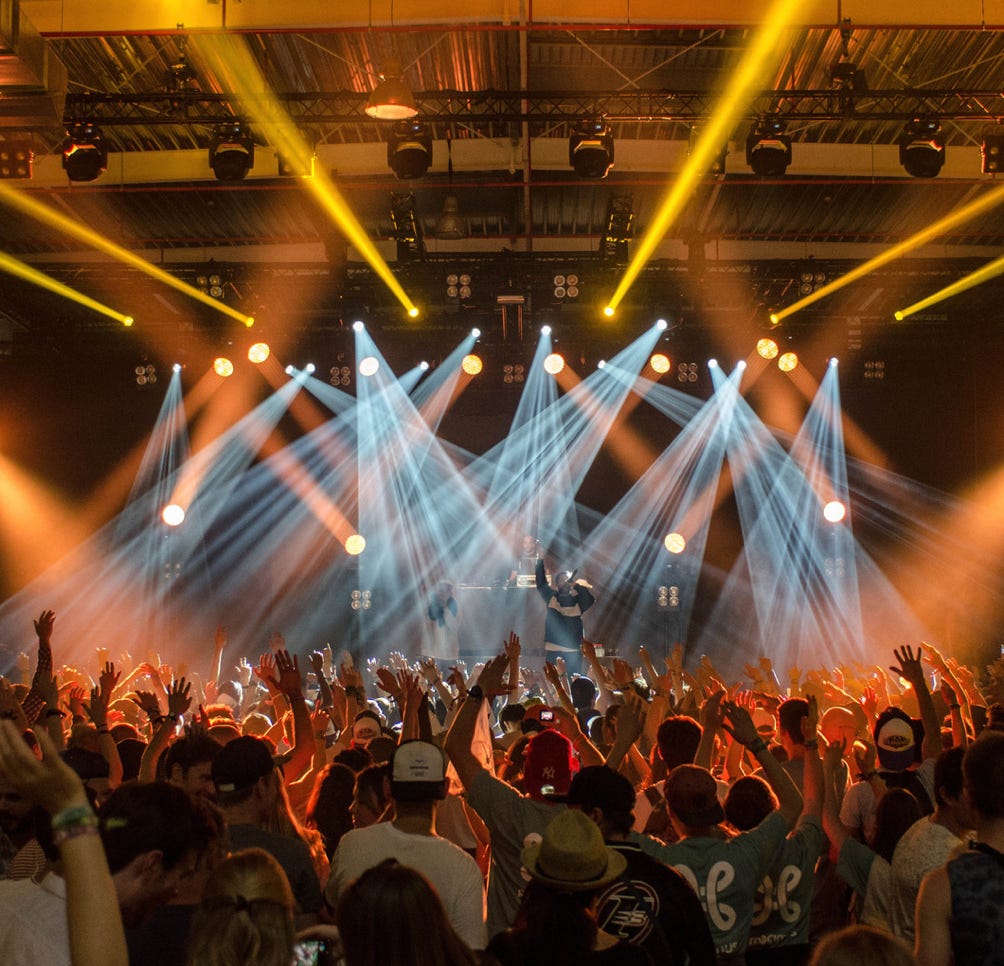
x=572, y=856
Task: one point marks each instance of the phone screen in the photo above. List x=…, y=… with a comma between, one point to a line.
x=312, y=952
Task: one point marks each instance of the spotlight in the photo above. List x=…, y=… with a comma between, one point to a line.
x=358, y=326
x=787, y=362
x=355, y=544
x=992, y=153
x=290, y=370
x=231, y=151
x=675, y=542
x=768, y=148
x=259, y=352
x=176, y=367
x=413, y=312
x=85, y=154
x=409, y=150
x=369, y=366
x=173, y=515
x=545, y=330
x=659, y=363
x=424, y=366
x=834, y=511
x=475, y=333
x=591, y=148
x=249, y=321
x=16, y=159
x=602, y=364
x=554, y=363
x=309, y=368
x=472, y=364
x=128, y=321
x=922, y=147
x=834, y=362
x=767, y=349
x=712, y=363
x=223, y=367
x=609, y=311
x=661, y=325
x=741, y=365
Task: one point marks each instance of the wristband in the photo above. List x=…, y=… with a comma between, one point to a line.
x=811, y=743
x=74, y=816
x=757, y=746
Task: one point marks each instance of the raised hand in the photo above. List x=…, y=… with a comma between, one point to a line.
x=631, y=718
x=290, y=681
x=588, y=650
x=560, y=666
x=244, y=672
x=47, y=781
x=265, y=672
x=834, y=754
x=147, y=700
x=738, y=723
x=623, y=674
x=491, y=677
x=711, y=710
x=910, y=666
x=179, y=697
x=316, y=659
x=10, y=707
x=220, y=637
x=43, y=626
x=386, y=681
x=430, y=671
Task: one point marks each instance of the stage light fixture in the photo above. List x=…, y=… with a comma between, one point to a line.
x=340, y=376
x=259, y=352
x=409, y=150
x=687, y=372
x=472, y=364
x=310, y=368
x=392, y=99
x=85, y=154
x=16, y=159
x=424, y=366
x=675, y=542
x=767, y=349
x=475, y=333
x=231, y=151
x=554, y=363
x=358, y=326
x=355, y=544
x=618, y=229
x=173, y=515
x=661, y=325
x=223, y=367
x=513, y=373
x=660, y=363
x=146, y=375
x=874, y=370
x=176, y=367
x=591, y=148
x=369, y=366
x=922, y=147
x=768, y=148
x=834, y=511
x=787, y=362
x=449, y=224
x=992, y=153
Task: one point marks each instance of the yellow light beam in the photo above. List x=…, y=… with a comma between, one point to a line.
x=940, y=227
x=12, y=266
x=49, y=216
x=243, y=75
x=981, y=275
x=733, y=100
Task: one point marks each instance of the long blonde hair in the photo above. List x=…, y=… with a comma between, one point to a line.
x=246, y=914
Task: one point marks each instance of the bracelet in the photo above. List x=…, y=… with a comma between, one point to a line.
x=757, y=746
x=811, y=743
x=58, y=838
x=74, y=816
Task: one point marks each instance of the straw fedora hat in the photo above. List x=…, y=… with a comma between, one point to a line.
x=571, y=856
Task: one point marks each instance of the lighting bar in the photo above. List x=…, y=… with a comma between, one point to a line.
x=950, y=221
x=741, y=87
x=981, y=275
x=14, y=267
x=41, y=212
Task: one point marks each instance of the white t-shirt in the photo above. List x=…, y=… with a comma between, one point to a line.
x=33, y=926
x=858, y=809
x=925, y=846
x=452, y=872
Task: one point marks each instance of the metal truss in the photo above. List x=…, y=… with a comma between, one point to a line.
x=347, y=107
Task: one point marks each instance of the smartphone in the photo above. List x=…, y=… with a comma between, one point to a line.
x=547, y=715
x=313, y=952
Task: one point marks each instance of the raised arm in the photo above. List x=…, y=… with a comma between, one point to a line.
x=910, y=667
x=461, y=733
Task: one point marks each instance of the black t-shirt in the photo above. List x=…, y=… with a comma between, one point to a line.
x=654, y=907
x=510, y=949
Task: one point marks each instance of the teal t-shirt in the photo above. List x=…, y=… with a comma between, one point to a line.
x=725, y=874
x=784, y=899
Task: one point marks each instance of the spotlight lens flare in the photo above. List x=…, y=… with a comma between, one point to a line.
x=834, y=362
x=173, y=515
x=413, y=312
x=554, y=363
x=661, y=325
x=258, y=353
x=834, y=511
x=249, y=321
x=609, y=311
x=712, y=363
x=223, y=367
x=767, y=349
x=475, y=333
x=355, y=544
x=472, y=364
x=788, y=362
x=659, y=363
x=309, y=367
x=898, y=315
x=545, y=330
x=774, y=318
x=358, y=326
x=369, y=366
x=128, y=321
x=176, y=367
x=423, y=365
x=675, y=542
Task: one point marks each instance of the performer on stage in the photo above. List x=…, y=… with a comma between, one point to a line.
x=566, y=602
x=525, y=563
x=444, y=639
